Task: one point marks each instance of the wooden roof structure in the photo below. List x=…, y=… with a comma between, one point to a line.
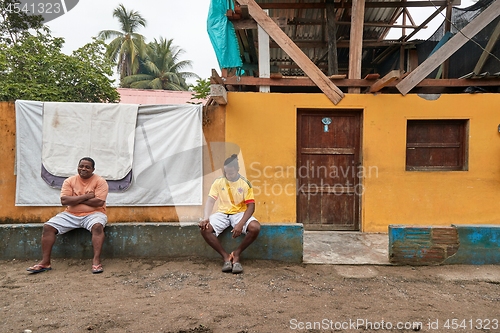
x=320, y=45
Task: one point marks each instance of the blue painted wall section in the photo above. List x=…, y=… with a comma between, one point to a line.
x=457, y=244
x=478, y=245
x=282, y=242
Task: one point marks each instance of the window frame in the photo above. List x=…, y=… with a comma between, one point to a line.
x=463, y=144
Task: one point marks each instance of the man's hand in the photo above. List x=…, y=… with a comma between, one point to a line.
x=204, y=224
x=238, y=229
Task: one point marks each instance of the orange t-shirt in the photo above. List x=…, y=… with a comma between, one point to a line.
x=76, y=185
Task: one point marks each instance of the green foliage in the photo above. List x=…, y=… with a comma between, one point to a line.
x=155, y=65
x=34, y=68
x=127, y=45
x=161, y=68
x=14, y=23
x=201, y=89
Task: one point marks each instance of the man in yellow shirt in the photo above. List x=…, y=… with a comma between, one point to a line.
x=84, y=196
x=235, y=208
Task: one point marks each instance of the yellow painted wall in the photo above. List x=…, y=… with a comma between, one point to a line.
x=264, y=126
x=9, y=213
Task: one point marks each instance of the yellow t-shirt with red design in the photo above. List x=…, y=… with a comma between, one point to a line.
x=76, y=185
x=233, y=196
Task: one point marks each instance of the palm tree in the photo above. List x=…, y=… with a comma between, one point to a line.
x=127, y=45
x=161, y=69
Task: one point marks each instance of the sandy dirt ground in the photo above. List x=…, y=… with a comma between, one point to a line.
x=193, y=295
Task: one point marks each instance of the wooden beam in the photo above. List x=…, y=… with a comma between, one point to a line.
x=218, y=93
x=348, y=4
x=287, y=81
x=251, y=24
x=264, y=63
x=333, y=63
x=215, y=78
x=424, y=24
x=356, y=42
x=486, y=52
x=296, y=21
x=244, y=12
x=337, y=76
x=447, y=29
x=345, y=44
x=331, y=91
x=476, y=25
x=386, y=25
x=383, y=82
x=374, y=76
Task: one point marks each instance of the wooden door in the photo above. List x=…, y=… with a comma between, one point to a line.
x=329, y=169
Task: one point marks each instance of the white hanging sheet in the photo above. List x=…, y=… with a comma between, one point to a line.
x=167, y=161
x=104, y=131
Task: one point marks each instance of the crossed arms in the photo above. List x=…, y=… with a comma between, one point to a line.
x=88, y=199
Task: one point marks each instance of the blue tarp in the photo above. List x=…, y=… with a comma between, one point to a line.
x=222, y=35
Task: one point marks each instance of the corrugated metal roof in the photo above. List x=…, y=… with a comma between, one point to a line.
x=307, y=27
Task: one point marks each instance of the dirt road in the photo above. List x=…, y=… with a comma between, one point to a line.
x=192, y=295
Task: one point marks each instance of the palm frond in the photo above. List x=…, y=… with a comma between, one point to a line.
x=107, y=34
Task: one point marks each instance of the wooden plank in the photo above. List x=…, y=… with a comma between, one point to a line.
x=345, y=44
x=333, y=63
x=356, y=42
x=337, y=76
x=476, y=25
x=486, y=52
x=330, y=151
x=361, y=83
x=374, y=76
x=347, y=4
x=383, y=82
x=264, y=57
x=433, y=145
x=310, y=69
x=251, y=24
x=218, y=93
x=244, y=12
x=215, y=78
x=412, y=60
x=424, y=24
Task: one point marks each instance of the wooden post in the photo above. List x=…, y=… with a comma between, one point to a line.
x=333, y=63
x=356, y=42
x=331, y=91
x=264, y=65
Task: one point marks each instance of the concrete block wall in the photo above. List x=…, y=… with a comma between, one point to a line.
x=456, y=244
x=282, y=242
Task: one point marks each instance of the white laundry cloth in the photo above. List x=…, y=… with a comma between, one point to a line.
x=102, y=131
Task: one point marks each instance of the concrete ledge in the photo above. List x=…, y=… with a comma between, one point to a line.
x=282, y=242
x=457, y=244
x=479, y=245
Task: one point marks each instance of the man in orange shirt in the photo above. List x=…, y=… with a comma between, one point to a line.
x=84, y=196
x=236, y=206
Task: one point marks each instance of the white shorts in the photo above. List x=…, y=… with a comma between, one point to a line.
x=220, y=221
x=64, y=222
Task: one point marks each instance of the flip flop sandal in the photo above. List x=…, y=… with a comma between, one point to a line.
x=96, y=269
x=38, y=269
x=227, y=267
x=237, y=268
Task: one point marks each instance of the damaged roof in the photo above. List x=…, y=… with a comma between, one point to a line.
x=308, y=25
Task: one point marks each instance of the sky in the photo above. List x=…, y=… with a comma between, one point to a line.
x=184, y=21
